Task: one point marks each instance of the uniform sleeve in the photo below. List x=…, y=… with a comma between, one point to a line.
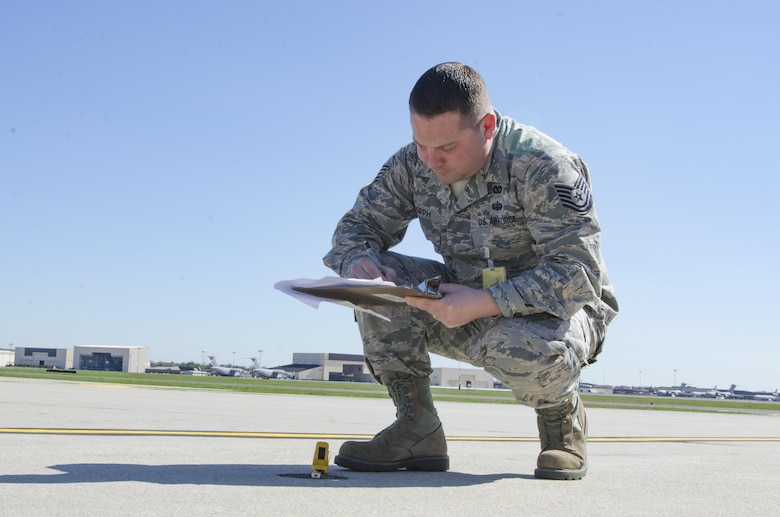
x=558, y=205
x=380, y=215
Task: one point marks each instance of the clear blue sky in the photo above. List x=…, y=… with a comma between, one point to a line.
x=162, y=164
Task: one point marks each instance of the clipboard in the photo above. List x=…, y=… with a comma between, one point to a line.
x=366, y=295
x=355, y=293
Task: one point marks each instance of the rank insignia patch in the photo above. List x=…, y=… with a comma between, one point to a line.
x=384, y=168
x=577, y=197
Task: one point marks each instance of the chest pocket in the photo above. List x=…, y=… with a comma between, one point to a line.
x=498, y=223
x=431, y=222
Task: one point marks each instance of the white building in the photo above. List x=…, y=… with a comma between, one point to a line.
x=133, y=359
x=461, y=378
x=43, y=357
x=329, y=367
x=6, y=357
x=352, y=367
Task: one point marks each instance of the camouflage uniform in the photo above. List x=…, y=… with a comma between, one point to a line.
x=531, y=206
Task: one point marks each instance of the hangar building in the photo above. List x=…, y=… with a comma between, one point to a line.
x=111, y=358
x=329, y=367
x=44, y=357
x=352, y=368
x=6, y=357
x=462, y=378
x=134, y=359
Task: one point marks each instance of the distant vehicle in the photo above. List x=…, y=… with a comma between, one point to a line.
x=269, y=373
x=225, y=371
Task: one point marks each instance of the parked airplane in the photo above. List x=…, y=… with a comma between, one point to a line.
x=714, y=393
x=666, y=392
x=683, y=390
x=224, y=371
x=752, y=395
x=769, y=397
x=269, y=373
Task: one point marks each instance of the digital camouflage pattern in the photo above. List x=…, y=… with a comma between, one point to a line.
x=531, y=205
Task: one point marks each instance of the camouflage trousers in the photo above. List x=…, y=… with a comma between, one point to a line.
x=538, y=357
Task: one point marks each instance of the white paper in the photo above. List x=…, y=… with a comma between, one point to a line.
x=286, y=286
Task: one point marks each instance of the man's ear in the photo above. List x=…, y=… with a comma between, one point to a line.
x=488, y=125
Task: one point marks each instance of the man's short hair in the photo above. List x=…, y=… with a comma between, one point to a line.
x=450, y=87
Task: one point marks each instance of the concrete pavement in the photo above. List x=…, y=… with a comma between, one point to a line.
x=74, y=448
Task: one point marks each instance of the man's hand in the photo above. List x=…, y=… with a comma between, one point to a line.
x=365, y=268
x=458, y=305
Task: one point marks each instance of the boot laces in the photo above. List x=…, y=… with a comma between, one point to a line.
x=401, y=393
x=555, y=419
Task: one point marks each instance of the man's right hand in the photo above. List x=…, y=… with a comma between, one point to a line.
x=365, y=268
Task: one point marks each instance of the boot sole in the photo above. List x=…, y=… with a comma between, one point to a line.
x=561, y=474
x=431, y=464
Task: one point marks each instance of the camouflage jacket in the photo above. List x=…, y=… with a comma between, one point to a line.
x=531, y=205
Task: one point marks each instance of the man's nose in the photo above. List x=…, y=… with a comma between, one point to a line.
x=435, y=158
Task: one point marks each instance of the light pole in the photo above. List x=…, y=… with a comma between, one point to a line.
x=675, y=377
x=260, y=357
x=234, y=359
x=202, y=359
x=640, y=378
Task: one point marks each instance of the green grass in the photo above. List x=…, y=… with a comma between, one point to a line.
x=677, y=404
x=349, y=389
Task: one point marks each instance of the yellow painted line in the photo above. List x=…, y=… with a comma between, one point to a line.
x=242, y=434
x=107, y=385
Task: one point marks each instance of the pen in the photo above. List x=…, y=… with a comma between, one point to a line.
x=372, y=256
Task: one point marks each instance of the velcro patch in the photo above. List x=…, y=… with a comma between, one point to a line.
x=576, y=197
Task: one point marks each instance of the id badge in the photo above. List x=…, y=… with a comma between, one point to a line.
x=493, y=275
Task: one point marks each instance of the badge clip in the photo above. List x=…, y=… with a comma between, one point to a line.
x=492, y=275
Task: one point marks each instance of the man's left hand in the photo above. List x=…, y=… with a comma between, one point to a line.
x=458, y=305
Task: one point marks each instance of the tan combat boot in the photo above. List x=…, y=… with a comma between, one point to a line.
x=415, y=441
x=563, y=431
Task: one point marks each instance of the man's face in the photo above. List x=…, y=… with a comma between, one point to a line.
x=452, y=149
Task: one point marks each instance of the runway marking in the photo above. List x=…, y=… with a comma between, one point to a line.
x=108, y=385
x=333, y=436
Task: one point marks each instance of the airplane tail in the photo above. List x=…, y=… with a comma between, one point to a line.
x=213, y=361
